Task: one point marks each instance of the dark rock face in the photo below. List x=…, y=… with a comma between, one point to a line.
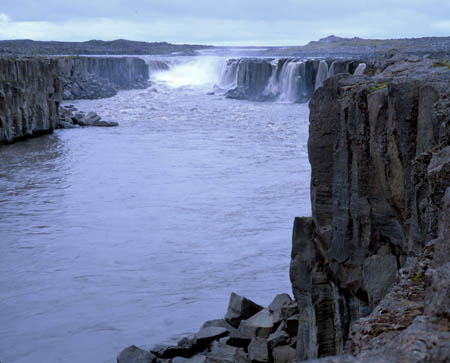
x=30, y=94
x=99, y=77
x=31, y=90
x=379, y=153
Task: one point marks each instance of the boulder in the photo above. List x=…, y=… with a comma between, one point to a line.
x=166, y=352
x=221, y=323
x=283, y=354
x=133, y=354
x=105, y=123
x=259, y=325
x=258, y=350
x=282, y=307
x=279, y=337
x=196, y=359
x=223, y=353
x=207, y=335
x=239, y=339
x=66, y=125
x=279, y=301
x=240, y=308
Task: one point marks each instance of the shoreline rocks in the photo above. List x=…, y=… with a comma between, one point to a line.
x=69, y=118
x=258, y=334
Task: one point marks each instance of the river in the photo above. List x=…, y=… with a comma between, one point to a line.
x=138, y=234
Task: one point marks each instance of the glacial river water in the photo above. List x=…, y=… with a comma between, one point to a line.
x=138, y=234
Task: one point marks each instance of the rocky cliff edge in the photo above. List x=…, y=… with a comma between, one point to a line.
x=370, y=269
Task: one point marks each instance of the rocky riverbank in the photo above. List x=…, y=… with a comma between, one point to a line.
x=32, y=89
x=100, y=77
x=370, y=269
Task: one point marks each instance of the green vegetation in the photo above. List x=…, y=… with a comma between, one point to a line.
x=419, y=277
x=441, y=64
x=379, y=86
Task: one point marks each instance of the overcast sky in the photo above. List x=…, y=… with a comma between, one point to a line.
x=222, y=22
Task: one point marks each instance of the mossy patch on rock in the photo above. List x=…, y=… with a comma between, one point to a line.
x=379, y=86
x=441, y=64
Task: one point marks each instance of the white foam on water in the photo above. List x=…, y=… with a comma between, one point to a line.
x=196, y=72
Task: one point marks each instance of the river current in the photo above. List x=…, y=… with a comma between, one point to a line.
x=138, y=234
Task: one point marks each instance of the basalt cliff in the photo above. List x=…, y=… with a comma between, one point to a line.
x=32, y=88
x=370, y=269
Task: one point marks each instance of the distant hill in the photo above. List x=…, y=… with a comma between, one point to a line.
x=333, y=39
x=114, y=47
x=337, y=46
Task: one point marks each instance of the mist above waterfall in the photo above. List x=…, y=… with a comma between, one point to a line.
x=202, y=71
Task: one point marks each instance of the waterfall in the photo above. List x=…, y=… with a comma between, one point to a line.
x=201, y=71
x=155, y=65
x=229, y=74
x=359, y=71
x=272, y=89
x=292, y=81
x=338, y=67
x=284, y=79
x=288, y=81
x=322, y=73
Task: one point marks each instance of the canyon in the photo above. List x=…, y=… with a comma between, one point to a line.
x=370, y=268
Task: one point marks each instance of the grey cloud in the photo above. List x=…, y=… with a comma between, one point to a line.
x=223, y=22
x=57, y=10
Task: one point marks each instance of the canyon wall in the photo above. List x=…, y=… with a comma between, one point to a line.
x=379, y=149
x=32, y=88
x=30, y=93
x=100, y=77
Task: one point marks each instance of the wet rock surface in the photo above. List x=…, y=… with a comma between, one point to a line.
x=70, y=118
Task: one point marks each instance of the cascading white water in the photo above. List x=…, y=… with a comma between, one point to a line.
x=272, y=88
x=156, y=65
x=331, y=70
x=196, y=71
x=292, y=81
x=359, y=71
x=289, y=83
x=229, y=74
x=322, y=74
